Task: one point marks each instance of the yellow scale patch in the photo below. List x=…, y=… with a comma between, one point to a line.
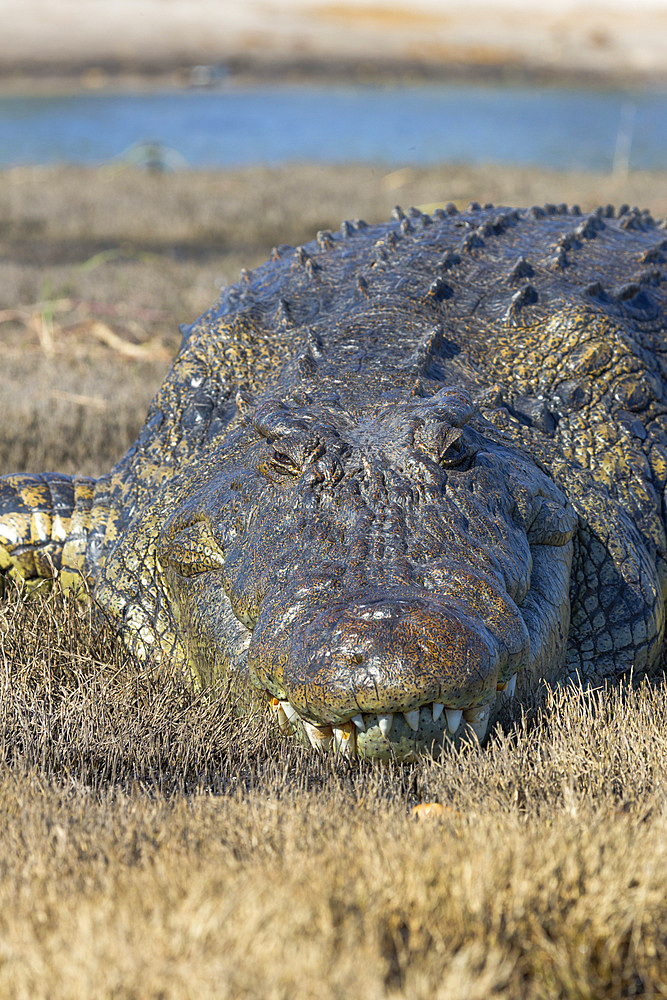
x=38, y=545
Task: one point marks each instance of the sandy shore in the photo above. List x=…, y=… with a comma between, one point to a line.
x=607, y=40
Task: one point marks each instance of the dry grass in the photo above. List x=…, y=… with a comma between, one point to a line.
x=156, y=842
x=161, y=843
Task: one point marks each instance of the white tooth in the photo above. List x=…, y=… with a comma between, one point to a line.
x=453, y=716
x=291, y=713
x=345, y=738
x=412, y=719
x=478, y=720
x=320, y=738
x=437, y=710
x=281, y=718
x=510, y=687
x=359, y=722
x=385, y=722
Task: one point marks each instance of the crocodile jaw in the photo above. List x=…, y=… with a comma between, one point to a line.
x=430, y=724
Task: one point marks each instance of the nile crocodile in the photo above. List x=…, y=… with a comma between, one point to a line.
x=391, y=471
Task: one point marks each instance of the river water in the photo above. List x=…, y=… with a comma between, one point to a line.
x=555, y=127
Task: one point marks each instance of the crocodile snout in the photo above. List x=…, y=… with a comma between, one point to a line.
x=393, y=669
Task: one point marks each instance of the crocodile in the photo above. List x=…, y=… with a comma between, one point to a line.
x=390, y=474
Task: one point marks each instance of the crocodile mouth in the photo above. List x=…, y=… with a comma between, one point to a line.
x=400, y=735
x=402, y=724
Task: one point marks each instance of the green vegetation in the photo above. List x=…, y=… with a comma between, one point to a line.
x=160, y=842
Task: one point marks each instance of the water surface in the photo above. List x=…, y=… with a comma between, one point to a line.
x=557, y=128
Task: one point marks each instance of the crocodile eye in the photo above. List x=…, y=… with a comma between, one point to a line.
x=453, y=448
x=191, y=551
x=454, y=454
x=444, y=444
x=285, y=464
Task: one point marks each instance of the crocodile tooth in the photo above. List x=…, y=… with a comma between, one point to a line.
x=385, y=722
x=291, y=713
x=412, y=719
x=507, y=687
x=319, y=737
x=478, y=719
x=438, y=708
x=359, y=722
x=345, y=738
x=281, y=718
x=453, y=716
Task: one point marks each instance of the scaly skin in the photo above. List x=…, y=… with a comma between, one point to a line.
x=391, y=471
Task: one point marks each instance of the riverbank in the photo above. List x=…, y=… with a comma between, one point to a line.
x=146, y=43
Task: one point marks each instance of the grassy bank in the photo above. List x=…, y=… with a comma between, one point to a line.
x=160, y=843
x=100, y=266
x=156, y=843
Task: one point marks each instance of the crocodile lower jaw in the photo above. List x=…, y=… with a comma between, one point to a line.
x=399, y=734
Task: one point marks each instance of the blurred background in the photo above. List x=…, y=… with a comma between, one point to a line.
x=151, y=148
x=178, y=83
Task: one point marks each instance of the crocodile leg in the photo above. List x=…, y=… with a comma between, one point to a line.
x=45, y=524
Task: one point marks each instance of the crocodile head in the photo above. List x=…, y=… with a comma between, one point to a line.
x=382, y=573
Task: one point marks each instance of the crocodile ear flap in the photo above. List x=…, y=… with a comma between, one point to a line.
x=245, y=404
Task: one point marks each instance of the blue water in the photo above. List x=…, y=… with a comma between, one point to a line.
x=396, y=126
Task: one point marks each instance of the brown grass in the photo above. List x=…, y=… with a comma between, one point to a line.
x=157, y=842
x=162, y=843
